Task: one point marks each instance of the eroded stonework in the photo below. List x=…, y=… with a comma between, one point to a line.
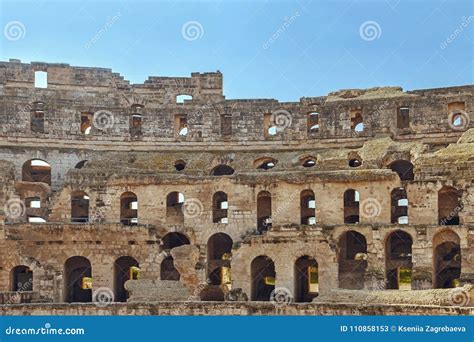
x=104, y=181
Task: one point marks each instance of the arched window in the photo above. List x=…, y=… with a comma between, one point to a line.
x=170, y=241
x=352, y=260
x=136, y=120
x=79, y=207
x=307, y=207
x=21, y=279
x=262, y=272
x=306, y=279
x=265, y=163
x=313, y=122
x=264, y=211
x=174, y=207
x=125, y=268
x=404, y=169
x=77, y=280
x=183, y=97
x=129, y=209
x=398, y=260
x=222, y=170
x=449, y=206
x=36, y=170
x=399, y=206
x=179, y=165
x=351, y=206
x=37, y=117
x=357, y=121
x=220, y=205
x=447, y=259
x=219, y=253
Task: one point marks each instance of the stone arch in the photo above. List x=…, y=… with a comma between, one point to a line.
x=351, y=206
x=222, y=170
x=262, y=273
x=220, y=207
x=449, y=206
x=306, y=277
x=352, y=260
x=123, y=271
x=129, y=208
x=79, y=207
x=36, y=170
x=171, y=240
x=403, y=168
x=398, y=260
x=307, y=207
x=21, y=278
x=446, y=259
x=77, y=273
x=264, y=211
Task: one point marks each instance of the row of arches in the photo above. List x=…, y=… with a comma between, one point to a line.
x=38, y=170
x=352, y=264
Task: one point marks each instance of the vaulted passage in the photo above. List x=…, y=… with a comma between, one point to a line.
x=263, y=274
x=351, y=206
x=129, y=209
x=125, y=268
x=36, y=170
x=222, y=170
x=352, y=260
x=447, y=259
x=170, y=241
x=77, y=280
x=398, y=260
x=449, y=206
x=174, y=207
x=219, y=254
x=306, y=279
x=79, y=207
x=264, y=211
x=21, y=279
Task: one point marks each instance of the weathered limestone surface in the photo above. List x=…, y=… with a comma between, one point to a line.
x=318, y=151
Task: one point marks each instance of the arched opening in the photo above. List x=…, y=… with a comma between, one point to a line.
x=262, y=272
x=36, y=170
x=264, y=211
x=170, y=241
x=313, y=122
x=447, y=259
x=351, y=206
x=449, y=206
x=265, y=163
x=125, y=268
x=174, y=207
x=77, y=280
x=183, y=97
x=404, y=169
x=307, y=207
x=399, y=206
x=81, y=164
x=21, y=279
x=306, y=279
x=220, y=206
x=87, y=119
x=179, y=165
x=352, y=260
x=398, y=260
x=222, y=170
x=79, y=207
x=129, y=209
x=37, y=117
x=357, y=121
x=219, y=253
x=308, y=162
x=354, y=162
x=136, y=120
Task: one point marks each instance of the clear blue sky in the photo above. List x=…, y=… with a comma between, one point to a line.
x=321, y=48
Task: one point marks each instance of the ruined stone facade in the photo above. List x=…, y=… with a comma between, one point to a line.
x=103, y=180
